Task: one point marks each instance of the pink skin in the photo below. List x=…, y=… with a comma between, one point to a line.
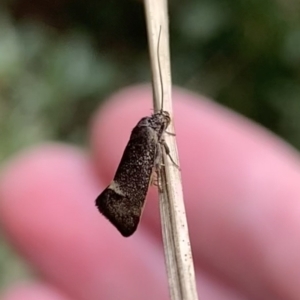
x=242, y=191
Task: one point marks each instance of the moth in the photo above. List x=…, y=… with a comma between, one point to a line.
x=122, y=202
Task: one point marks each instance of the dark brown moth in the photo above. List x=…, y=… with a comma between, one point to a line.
x=123, y=200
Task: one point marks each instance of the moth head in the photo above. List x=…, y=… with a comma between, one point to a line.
x=159, y=121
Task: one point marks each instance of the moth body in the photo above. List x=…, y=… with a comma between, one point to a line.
x=123, y=200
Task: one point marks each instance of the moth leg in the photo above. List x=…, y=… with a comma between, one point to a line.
x=170, y=133
x=158, y=158
x=159, y=182
x=154, y=178
x=167, y=150
x=157, y=168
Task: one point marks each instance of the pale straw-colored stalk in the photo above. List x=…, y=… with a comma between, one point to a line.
x=178, y=255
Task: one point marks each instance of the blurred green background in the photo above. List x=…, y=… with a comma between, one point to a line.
x=59, y=59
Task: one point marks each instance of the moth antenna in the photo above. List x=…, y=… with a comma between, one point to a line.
x=160, y=73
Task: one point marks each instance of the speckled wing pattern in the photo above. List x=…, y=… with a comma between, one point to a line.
x=123, y=200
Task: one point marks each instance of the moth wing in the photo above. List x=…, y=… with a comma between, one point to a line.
x=123, y=200
x=117, y=208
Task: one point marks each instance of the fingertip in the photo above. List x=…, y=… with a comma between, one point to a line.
x=114, y=121
x=34, y=180
x=48, y=212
